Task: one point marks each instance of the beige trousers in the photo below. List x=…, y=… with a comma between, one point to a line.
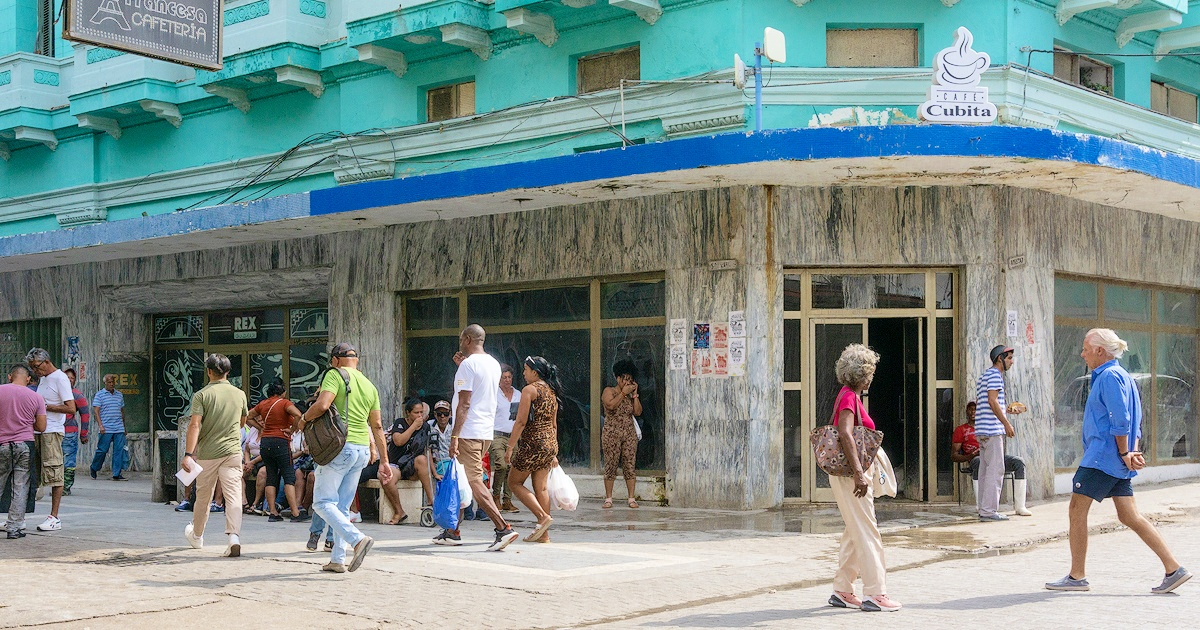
x=991, y=473
x=861, y=554
x=227, y=471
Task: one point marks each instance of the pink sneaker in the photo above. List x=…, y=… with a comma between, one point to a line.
x=880, y=603
x=844, y=600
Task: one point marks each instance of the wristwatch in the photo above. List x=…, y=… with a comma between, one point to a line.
x=192, y=455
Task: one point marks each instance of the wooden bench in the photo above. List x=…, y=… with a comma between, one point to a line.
x=410, y=498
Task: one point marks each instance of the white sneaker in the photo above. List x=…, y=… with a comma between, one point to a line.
x=234, y=549
x=197, y=542
x=355, y=517
x=51, y=524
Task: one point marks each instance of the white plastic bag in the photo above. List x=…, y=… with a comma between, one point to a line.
x=465, y=496
x=563, y=493
x=637, y=428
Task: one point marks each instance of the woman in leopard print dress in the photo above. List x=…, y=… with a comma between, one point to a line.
x=533, y=447
x=618, y=438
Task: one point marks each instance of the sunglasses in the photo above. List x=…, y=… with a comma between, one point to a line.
x=441, y=413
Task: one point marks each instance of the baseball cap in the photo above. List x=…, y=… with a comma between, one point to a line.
x=344, y=350
x=998, y=351
x=441, y=404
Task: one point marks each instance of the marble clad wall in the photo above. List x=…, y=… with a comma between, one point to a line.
x=724, y=445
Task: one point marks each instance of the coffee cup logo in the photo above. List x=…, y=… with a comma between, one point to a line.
x=960, y=65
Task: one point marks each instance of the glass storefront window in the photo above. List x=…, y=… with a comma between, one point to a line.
x=791, y=350
x=1075, y=299
x=246, y=327
x=177, y=375
x=1175, y=397
x=945, y=290
x=632, y=299
x=947, y=418
x=900, y=290
x=791, y=293
x=795, y=444
x=178, y=329
x=265, y=368
x=1177, y=309
x=1126, y=304
x=431, y=313
x=531, y=306
x=1071, y=387
x=643, y=345
x=305, y=364
x=945, y=349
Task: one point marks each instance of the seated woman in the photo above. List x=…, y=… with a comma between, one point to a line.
x=408, y=439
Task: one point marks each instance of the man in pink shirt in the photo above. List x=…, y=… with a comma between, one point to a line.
x=22, y=411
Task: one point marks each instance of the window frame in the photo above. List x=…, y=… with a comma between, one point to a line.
x=1076, y=71
x=455, y=97
x=916, y=50
x=1169, y=90
x=592, y=56
x=595, y=324
x=1153, y=329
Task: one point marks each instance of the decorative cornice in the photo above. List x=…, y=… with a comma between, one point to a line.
x=45, y=77
x=96, y=55
x=85, y=216
x=6, y=77
x=349, y=170
x=237, y=15
x=315, y=8
x=706, y=125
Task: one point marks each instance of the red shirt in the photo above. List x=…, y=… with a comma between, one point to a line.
x=273, y=414
x=847, y=399
x=965, y=434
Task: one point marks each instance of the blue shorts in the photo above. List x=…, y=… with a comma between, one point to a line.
x=1099, y=485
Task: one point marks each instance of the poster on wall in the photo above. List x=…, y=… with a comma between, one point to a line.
x=73, y=352
x=737, y=324
x=701, y=363
x=678, y=357
x=132, y=380
x=1011, y=323
x=678, y=332
x=737, y=357
x=720, y=362
x=700, y=336
x=719, y=334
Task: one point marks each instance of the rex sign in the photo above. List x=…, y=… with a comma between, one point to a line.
x=187, y=32
x=955, y=96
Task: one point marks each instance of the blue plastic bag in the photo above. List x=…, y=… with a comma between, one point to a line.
x=446, y=503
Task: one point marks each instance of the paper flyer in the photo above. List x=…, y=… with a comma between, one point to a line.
x=701, y=363
x=737, y=324
x=719, y=335
x=185, y=477
x=678, y=332
x=678, y=357
x=700, y=336
x=737, y=357
x=720, y=362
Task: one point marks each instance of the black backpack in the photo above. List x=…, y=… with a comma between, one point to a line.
x=326, y=434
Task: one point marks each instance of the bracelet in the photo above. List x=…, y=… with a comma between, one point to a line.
x=1123, y=454
x=192, y=455
x=453, y=437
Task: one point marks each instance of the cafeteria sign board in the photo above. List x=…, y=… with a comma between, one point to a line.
x=186, y=32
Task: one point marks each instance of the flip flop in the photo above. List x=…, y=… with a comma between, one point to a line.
x=607, y=503
x=540, y=530
x=633, y=504
x=400, y=520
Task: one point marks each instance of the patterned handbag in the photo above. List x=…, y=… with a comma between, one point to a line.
x=828, y=450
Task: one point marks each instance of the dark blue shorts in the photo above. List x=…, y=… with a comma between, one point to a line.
x=1099, y=485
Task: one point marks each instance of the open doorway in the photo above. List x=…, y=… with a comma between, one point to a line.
x=895, y=399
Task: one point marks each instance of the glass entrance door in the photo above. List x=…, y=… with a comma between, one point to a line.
x=830, y=338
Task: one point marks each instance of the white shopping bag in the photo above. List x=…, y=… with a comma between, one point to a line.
x=465, y=496
x=563, y=493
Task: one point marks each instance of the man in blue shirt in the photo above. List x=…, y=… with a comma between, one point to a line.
x=1112, y=426
x=109, y=406
x=991, y=425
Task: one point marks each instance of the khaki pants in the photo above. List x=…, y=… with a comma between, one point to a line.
x=991, y=473
x=228, y=472
x=500, y=489
x=861, y=554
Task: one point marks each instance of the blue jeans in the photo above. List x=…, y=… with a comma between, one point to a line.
x=117, y=442
x=333, y=492
x=70, y=449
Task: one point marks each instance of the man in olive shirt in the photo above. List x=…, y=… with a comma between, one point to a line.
x=214, y=442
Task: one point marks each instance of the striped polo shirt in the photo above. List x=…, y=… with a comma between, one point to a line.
x=110, y=405
x=986, y=422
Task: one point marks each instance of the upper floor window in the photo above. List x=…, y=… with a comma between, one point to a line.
x=871, y=48
x=44, y=45
x=450, y=101
x=1083, y=71
x=605, y=71
x=1165, y=99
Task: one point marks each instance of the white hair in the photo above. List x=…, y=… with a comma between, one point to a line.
x=1107, y=339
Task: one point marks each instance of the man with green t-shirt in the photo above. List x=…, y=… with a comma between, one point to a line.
x=337, y=481
x=214, y=442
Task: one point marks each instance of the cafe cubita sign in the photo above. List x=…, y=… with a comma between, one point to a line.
x=187, y=32
x=955, y=96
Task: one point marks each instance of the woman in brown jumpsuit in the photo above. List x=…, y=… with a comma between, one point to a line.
x=618, y=438
x=533, y=446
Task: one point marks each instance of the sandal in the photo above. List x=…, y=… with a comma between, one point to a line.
x=399, y=520
x=632, y=504
x=607, y=503
x=246, y=509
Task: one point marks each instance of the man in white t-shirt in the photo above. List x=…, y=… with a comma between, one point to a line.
x=507, y=401
x=476, y=385
x=55, y=388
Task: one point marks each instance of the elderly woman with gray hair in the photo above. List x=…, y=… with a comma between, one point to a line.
x=861, y=553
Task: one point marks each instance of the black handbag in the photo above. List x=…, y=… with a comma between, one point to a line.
x=326, y=434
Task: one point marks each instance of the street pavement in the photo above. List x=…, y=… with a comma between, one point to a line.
x=122, y=562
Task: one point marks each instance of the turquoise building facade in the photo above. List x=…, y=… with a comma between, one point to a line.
x=581, y=175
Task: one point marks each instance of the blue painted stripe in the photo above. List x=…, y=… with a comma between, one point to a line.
x=158, y=226
x=748, y=148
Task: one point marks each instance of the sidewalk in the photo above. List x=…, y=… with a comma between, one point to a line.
x=603, y=566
